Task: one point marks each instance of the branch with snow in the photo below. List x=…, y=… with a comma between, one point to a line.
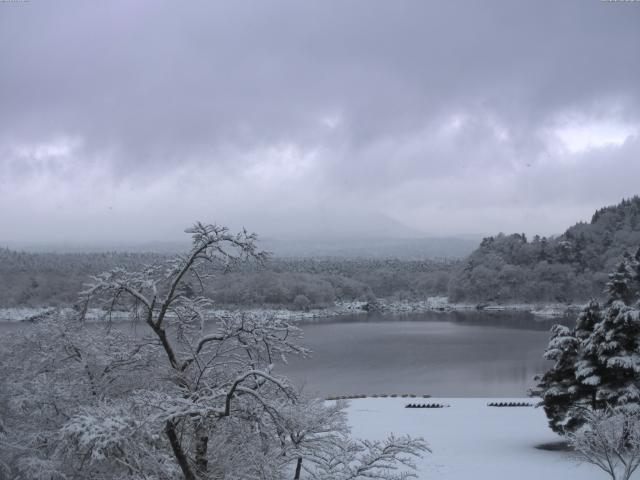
x=610, y=440
x=389, y=459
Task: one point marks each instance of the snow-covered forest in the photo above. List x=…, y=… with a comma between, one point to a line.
x=53, y=279
x=571, y=267
x=568, y=267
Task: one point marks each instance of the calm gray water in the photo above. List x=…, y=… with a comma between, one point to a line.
x=458, y=354
x=443, y=354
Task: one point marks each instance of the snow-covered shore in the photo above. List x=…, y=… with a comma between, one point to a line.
x=430, y=304
x=442, y=304
x=471, y=440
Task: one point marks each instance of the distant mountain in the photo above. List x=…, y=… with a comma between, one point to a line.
x=322, y=233
x=338, y=247
x=377, y=247
x=333, y=223
x=573, y=266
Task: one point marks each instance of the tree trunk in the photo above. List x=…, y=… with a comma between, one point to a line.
x=298, y=469
x=181, y=457
x=202, y=442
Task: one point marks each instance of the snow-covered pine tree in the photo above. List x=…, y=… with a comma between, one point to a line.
x=635, y=266
x=588, y=371
x=569, y=386
x=597, y=363
x=622, y=282
x=615, y=342
x=557, y=386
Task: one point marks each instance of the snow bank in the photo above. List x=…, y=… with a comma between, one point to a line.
x=29, y=314
x=471, y=441
x=347, y=308
x=430, y=304
x=21, y=314
x=441, y=304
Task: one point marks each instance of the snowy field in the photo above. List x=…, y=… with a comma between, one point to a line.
x=471, y=441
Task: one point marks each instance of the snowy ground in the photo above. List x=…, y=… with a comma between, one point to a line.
x=471, y=441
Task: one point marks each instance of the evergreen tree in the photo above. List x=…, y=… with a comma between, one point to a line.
x=588, y=370
x=597, y=363
x=635, y=270
x=570, y=385
x=615, y=341
x=557, y=386
x=621, y=284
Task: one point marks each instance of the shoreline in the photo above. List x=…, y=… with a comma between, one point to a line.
x=430, y=304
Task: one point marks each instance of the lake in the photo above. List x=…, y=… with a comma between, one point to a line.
x=470, y=354
x=461, y=354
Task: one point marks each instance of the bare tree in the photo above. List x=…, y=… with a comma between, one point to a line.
x=213, y=375
x=610, y=440
x=189, y=396
x=312, y=426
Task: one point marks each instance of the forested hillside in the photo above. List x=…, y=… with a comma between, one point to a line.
x=570, y=267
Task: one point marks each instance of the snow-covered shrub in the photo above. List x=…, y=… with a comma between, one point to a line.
x=301, y=302
x=611, y=441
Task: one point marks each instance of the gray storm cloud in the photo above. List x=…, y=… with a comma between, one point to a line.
x=127, y=120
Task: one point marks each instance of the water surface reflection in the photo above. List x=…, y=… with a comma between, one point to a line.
x=444, y=354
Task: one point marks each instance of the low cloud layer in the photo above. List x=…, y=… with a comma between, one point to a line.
x=126, y=121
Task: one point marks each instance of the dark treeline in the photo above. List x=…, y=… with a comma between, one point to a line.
x=570, y=267
x=53, y=279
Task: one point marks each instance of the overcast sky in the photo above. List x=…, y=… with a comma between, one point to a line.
x=127, y=121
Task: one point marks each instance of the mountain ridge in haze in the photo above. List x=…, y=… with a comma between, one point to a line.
x=321, y=234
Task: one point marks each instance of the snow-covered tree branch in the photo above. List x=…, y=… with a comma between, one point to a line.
x=181, y=395
x=611, y=441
